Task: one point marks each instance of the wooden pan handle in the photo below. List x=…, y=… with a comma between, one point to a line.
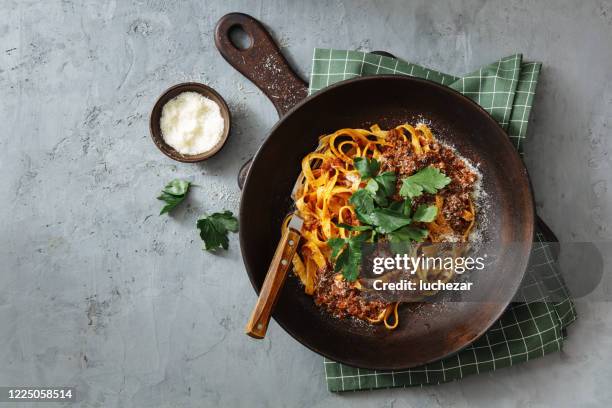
x=242, y=173
x=260, y=317
x=262, y=62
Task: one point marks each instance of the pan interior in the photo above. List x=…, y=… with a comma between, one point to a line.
x=427, y=331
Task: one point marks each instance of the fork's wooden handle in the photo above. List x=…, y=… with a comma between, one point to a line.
x=260, y=317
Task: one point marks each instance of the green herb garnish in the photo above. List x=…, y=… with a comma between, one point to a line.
x=404, y=207
x=386, y=182
x=363, y=201
x=425, y=213
x=214, y=229
x=429, y=179
x=386, y=220
x=346, y=254
x=354, y=227
x=173, y=194
x=408, y=233
x=381, y=216
x=382, y=187
x=366, y=167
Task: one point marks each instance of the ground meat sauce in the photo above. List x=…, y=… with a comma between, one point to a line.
x=399, y=157
x=339, y=297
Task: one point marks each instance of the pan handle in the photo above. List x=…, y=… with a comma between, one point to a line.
x=261, y=62
x=277, y=272
x=242, y=173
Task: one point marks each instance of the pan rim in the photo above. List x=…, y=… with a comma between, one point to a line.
x=524, y=179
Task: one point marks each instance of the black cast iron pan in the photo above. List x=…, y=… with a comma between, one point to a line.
x=427, y=331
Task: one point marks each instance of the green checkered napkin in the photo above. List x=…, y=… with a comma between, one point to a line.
x=528, y=329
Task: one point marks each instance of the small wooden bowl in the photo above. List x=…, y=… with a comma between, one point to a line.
x=154, y=121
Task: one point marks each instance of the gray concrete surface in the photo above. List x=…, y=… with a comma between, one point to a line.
x=98, y=291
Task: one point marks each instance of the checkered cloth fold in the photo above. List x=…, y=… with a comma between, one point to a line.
x=532, y=326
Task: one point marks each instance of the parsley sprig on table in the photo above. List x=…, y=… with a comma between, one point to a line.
x=381, y=216
x=214, y=229
x=173, y=194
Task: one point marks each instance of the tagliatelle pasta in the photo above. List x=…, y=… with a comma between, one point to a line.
x=322, y=198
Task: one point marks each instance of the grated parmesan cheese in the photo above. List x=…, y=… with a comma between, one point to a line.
x=191, y=123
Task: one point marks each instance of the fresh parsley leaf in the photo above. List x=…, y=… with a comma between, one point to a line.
x=403, y=207
x=347, y=254
x=366, y=167
x=350, y=269
x=386, y=181
x=381, y=216
x=171, y=202
x=363, y=201
x=377, y=193
x=341, y=260
x=336, y=245
x=371, y=186
x=428, y=179
x=410, y=190
x=177, y=187
x=353, y=227
x=408, y=233
x=382, y=187
x=173, y=194
x=214, y=229
x=387, y=220
x=425, y=213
